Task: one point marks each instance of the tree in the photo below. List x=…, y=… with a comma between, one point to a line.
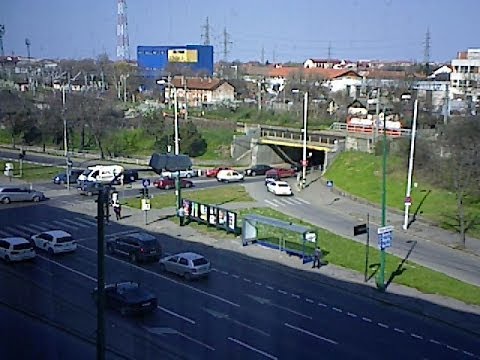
x=15, y=112
x=192, y=142
x=459, y=167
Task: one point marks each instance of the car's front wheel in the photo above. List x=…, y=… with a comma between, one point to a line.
x=253, y=173
x=36, y=199
x=162, y=268
x=187, y=276
x=50, y=251
x=6, y=200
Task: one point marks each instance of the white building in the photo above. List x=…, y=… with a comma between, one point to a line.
x=465, y=76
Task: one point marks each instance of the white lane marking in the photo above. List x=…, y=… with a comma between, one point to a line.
x=282, y=292
x=109, y=235
x=271, y=203
x=68, y=268
x=322, y=304
x=86, y=221
x=452, y=348
x=26, y=228
x=16, y=231
x=247, y=280
x=165, y=278
x=195, y=340
x=68, y=226
x=269, y=287
x=289, y=202
x=214, y=269
x=435, y=342
x=258, y=283
x=235, y=276
x=304, y=201
x=224, y=272
x=250, y=327
x=385, y=326
x=4, y=233
x=351, y=314
x=336, y=309
x=311, y=334
x=38, y=228
x=296, y=296
x=468, y=353
x=366, y=319
x=309, y=300
x=416, y=336
x=176, y=315
x=75, y=223
x=250, y=347
x=399, y=330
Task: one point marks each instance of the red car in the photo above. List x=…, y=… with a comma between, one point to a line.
x=214, y=172
x=166, y=183
x=280, y=173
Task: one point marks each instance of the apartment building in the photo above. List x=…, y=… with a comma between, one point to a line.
x=465, y=76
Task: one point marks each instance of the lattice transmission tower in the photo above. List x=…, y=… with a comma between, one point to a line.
x=123, y=43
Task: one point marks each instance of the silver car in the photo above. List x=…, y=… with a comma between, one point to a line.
x=189, y=265
x=9, y=194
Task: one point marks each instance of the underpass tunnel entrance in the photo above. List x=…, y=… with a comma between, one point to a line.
x=316, y=158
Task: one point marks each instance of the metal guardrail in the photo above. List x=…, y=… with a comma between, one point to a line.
x=297, y=135
x=344, y=127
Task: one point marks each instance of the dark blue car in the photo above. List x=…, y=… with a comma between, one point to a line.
x=62, y=178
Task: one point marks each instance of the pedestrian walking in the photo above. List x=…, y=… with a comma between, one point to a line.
x=117, y=209
x=316, y=257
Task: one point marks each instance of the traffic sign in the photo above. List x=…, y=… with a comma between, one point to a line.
x=385, y=236
x=408, y=200
x=145, y=205
x=360, y=229
x=304, y=162
x=146, y=183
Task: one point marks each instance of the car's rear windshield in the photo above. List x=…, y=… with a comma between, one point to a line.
x=23, y=246
x=149, y=243
x=200, y=262
x=283, y=185
x=64, y=239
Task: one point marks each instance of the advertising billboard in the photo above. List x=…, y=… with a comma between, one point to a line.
x=211, y=215
x=182, y=56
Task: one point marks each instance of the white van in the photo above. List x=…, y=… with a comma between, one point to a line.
x=102, y=173
x=229, y=176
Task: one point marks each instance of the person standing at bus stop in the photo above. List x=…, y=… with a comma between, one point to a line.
x=316, y=257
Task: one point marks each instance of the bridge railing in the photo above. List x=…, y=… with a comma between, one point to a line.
x=298, y=136
x=362, y=129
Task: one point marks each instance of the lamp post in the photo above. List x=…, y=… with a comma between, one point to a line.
x=65, y=140
x=304, y=154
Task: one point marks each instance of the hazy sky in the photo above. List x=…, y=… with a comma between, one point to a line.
x=287, y=29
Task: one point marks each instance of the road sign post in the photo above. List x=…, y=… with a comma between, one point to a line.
x=364, y=229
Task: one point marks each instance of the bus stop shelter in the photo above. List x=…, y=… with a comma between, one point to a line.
x=306, y=238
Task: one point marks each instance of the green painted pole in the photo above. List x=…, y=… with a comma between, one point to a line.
x=178, y=190
x=381, y=273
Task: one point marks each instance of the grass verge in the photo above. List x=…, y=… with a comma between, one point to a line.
x=31, y=172
x=219, y=196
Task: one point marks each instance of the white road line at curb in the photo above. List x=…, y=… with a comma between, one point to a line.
x=267, y=355
x=176, y=315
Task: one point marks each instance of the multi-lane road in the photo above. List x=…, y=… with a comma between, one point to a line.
x=246, y=309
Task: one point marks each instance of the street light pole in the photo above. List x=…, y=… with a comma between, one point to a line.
x=65, y=140
x=304, y=155
x=410, y=166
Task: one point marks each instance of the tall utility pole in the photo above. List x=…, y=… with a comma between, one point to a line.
x=123, y=42
x=27, y=44
x=262, y=56
x=206, y=32
x=410, y=165
x=65, y=139
x=259, y=95
x=304, y=153
x=2, y=32
x=329, y=52
x=226, y=44
x=426, y=51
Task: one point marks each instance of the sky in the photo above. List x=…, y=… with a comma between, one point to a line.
x=287, y=30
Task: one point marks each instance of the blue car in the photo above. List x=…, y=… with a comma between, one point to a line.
x=62, y=178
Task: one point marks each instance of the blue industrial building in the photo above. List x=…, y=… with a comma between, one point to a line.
x=161, y=60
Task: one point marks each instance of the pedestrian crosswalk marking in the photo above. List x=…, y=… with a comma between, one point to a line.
x=59, y=223
x=77, y=224
x=86, y=221
x=290, y=202
x=37, y=228
x=271, y=203
x=16, y=231
x=3, y=233
x=26, y=228
x=303, y=201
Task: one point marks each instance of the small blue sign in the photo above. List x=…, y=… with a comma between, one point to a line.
x=385, y=240
x=146, y=183
x=329, y=183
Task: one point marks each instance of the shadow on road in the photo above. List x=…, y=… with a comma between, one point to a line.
x=417, y=210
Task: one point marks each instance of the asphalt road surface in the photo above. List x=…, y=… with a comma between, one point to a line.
x=246, y=309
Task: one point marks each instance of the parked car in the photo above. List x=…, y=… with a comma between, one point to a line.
x=128, y=298
x=214, y=172
x=166, y=183
x=138, y=246
x=258, y=169
x=54, y=241
x=10, y=194
x=280, y=173
x=90, y=188
x=62, y=178
x=279, y=187
x=183, y=174
x=16, y=249
x=230, y=176
x=189, y=265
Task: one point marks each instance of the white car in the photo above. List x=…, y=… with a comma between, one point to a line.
x=16, y=249
x=278, y=187
x=55, y=241
x=183, y=173
x=189, y=265
x=230, y=176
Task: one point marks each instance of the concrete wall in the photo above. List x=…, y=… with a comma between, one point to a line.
x=246, y=151
x=358, y=144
